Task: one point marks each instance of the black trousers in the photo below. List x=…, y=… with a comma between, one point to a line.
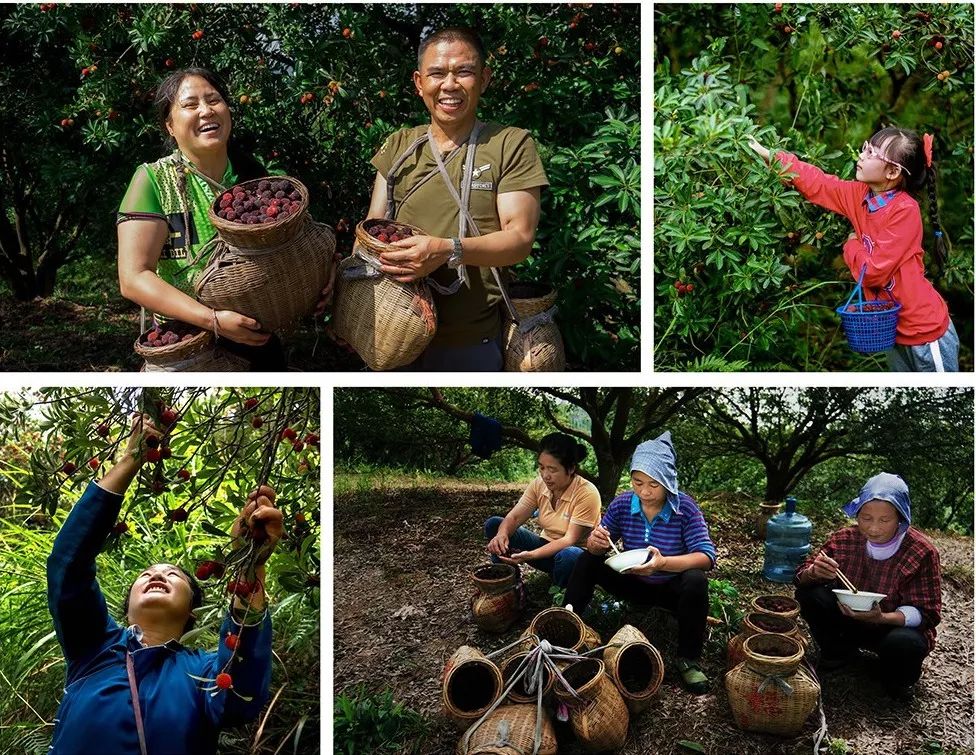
x=267, y=358
x=900, y=650
x=685, y=594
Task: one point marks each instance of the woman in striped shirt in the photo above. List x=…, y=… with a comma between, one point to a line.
x=669, y=524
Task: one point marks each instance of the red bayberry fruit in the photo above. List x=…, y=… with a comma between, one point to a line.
x=217, y=568
x=312, y=439
x=179, y=515
x=300, y=518
x=153, y=454
x=152, y=441
x=224, y=681
x=120, y=528
x=347, y=32
x=239, y=587
x=204, y=570
x=938, y=45
x=289, y=433
x=169, y=62
x=94, y=463
x=256, y=422
x=778, y=8
x=689, y=288
x=297, y=446
x=166, y=452
x=896, y=34
x=183, y=474
x=787, y=29
x=231, y=641
x=197, y=35
x=168, y=417
x=271, y=212
x=102, y=430
x=68, y=468
x=250, y=403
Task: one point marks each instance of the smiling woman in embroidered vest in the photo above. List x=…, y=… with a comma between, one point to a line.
x=657, y=516
x=162, y=221
x=884, y=554
x=131, y=690
x=425, y=175
x=568, y=507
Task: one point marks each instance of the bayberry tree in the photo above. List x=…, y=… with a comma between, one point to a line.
x=180, y=510
x=316, y=89
x=746, y=272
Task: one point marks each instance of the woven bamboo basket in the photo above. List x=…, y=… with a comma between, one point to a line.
x=757, y=622
x=373, y=245
x=520, y=692
x=768, y=653
x=541, y=349
x=496, y=612
x=564, y=629
x=780, y=605
x=263, y=235
x=774, y=710
x=601, y=722
x=213, y=360
x=635, y=666
x=276, y=286
x=510, y=730
x=389, y=324
x=470, y=685
x=494, y=578
x=199, y=342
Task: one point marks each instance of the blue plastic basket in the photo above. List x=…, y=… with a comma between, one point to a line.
x=869, y=325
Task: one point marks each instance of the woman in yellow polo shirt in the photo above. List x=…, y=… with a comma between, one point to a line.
x=568, y=506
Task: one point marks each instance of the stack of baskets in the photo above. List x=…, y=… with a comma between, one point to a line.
x=273, y=272
x=534, y=344
x=389, y=324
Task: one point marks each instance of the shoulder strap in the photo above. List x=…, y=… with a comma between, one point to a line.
x=134, y=691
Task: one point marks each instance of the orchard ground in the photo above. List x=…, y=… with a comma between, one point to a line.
x=403, y=549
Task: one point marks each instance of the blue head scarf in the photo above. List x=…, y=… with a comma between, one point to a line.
x=884, y=487
x=657, y=459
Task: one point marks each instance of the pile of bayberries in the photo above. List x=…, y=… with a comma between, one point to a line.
x=268, y=201
x=875, y=306
x=161, y=336
x=387, y=232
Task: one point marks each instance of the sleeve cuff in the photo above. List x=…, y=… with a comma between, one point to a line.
x=913, y=617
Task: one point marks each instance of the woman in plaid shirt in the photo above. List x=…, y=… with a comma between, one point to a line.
x=882, y=554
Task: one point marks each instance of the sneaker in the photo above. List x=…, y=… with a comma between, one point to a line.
x=692, y=678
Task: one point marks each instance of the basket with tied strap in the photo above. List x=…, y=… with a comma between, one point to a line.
x=870, y=326
x=769, y=653
x=511, y=730
x=772, y=703
x=598, y=714
x=564, y=629
x=272, y=272
x=525, y=690
x=534, y=343
x=756, y=622
x=372, y=244
x=635, y=666
x=389, y=324
x=470, y=685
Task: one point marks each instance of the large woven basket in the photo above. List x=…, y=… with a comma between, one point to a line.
x=494, y=578
x=375, y=246
x=635, y=666
x=262, y=235
x=496, y=612
x=470, y=685
x=540, y=349
x=762, y=703
x=389, y=324
x=520, y=692
x=757, y=622
x=162, y=356
x=509, y=730
x=768, y=653
x=563, y=629
x=600, y=722
x=781, y=605
x=276, y=285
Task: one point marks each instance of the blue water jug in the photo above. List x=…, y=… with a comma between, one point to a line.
x=787, y=543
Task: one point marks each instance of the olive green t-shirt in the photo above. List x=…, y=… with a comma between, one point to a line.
x=505, y=160
x=154, y=193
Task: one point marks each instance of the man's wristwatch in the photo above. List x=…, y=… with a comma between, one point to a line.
x=454, y=261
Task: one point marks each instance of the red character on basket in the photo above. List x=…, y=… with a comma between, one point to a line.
x=893, y=165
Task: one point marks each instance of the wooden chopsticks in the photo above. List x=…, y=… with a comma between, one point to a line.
x=847, y=583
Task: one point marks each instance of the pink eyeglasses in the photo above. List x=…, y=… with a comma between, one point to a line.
x=869, y=150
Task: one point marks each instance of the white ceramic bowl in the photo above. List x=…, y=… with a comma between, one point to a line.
x=628, y=559
x=860, y=601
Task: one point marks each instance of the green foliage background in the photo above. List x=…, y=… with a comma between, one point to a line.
x=765, y=264
x=568, y=74
x=215, y=440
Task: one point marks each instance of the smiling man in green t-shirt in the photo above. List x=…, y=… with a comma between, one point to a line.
x=499, y=184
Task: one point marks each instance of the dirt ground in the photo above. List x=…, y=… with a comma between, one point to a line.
x=402, y=555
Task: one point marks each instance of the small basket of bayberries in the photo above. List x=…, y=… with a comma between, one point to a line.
x=375, y=235
x=171, y=342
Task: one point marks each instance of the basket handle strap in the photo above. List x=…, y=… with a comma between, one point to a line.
x=857, y=288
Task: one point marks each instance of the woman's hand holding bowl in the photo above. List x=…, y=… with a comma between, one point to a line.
x=874, y=616
x=653, y=565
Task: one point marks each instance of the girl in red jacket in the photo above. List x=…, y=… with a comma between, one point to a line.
x=887, y=239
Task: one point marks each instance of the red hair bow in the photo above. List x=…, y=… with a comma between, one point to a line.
x=927, y=149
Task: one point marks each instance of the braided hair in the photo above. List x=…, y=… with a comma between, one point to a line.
x=905, y=147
